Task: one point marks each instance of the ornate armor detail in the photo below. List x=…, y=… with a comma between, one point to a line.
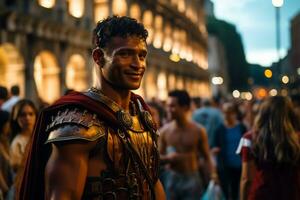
x=72, y=124
x=123, y=178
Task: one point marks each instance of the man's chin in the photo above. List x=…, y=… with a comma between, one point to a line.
x=134, y=86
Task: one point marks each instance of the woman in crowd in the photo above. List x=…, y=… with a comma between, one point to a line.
x=23, y=119
x=271, y=154
x=5, y=171
x=225, y=143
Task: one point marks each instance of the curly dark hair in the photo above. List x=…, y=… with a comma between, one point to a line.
x=117, y=26
x=183, y=97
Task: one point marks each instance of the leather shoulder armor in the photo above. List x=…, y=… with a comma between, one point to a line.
x=74, y=124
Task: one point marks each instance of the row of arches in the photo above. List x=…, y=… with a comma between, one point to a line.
x=76, y=7
x=46, y=72
x=48, y=80
x=164, y=34
x=157, y=83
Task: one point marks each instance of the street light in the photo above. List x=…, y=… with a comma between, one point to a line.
x=277, y=4
x=217, y=80
x=236, y=94
x=285, y=79
x=268, y=73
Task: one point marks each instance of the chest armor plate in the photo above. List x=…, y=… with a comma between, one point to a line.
x=123, y=179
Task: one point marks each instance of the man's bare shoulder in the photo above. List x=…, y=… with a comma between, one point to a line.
x=73, y=148
x=197, y=126
x=197, y=129
x=168, y=127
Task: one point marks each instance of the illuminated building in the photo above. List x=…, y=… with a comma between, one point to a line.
x=45, y=45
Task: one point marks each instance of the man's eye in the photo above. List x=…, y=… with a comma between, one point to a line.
x=124, y=54
x=142, y=56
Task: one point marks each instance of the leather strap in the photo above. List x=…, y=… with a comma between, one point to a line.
x=137, y=160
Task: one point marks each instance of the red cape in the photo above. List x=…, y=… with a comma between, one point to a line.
x=32, y=184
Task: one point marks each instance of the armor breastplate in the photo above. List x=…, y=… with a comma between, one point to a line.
x=122, y=179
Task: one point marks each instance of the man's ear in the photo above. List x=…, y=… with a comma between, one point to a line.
x=98, y=56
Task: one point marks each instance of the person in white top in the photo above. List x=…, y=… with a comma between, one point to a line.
x=8, y=105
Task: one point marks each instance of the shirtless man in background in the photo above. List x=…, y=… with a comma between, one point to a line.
x=181, y=143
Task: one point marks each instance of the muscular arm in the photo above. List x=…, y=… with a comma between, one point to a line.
x=248, y=171
x=66, y=170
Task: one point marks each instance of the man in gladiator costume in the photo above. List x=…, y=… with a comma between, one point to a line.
x=102, y=143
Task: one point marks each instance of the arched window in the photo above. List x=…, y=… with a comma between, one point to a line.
x=76, y=73
x=181, y=5
x=101, y=10
x=171, y=82
x=46, y=3
x=135, y=12
x=158, y=37
x=147, y=21
x=12, y=70
x=46, y=76
x=179, y=83
x=151, y=87
x=167, y=46
x=119, y=7
x=76, y=8
x=162, y=86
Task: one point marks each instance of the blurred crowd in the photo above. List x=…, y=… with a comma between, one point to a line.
x=254, y=147
x=251, y=149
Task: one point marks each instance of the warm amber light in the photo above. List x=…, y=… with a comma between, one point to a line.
x=268, y=73
x=157, y=41
x=262, y=93
x=162, y=86
x=236, y=94
x=273, y=92
x=285, y=79
x=46, y=76
x=76, y=8
x=12, y=70
x=246, y=95
x=135, y=12
x=217, y=80
x=76, y=73
x=174, y=57
x=119, y=7
x=101, y=10
x=147, y=21
x=181, y=5
x=47, y=3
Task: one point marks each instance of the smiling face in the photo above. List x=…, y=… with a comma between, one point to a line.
x=123, y=62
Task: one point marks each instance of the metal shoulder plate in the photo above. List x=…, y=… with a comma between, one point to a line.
x=74, y=124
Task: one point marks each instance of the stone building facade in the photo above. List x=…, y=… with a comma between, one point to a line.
x=45, y=45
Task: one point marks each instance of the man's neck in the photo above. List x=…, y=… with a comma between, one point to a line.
x=182, y=121
x=120, y=96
